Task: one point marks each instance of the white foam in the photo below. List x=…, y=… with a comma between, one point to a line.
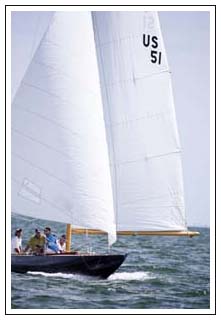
x=58, y=275
x=120, y=276
x=130, y=276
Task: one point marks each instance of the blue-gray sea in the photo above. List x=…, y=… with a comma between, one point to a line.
x=159, y=273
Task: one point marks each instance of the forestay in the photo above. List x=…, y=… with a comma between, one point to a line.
x=144, y=147
x=60, y=165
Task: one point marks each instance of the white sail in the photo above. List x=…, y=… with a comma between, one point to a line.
x=144, y=147
x=24, y=44
x=60, y=165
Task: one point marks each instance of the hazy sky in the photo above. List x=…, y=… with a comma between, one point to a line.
x=186, y=36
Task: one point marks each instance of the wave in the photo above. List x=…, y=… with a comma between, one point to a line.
x=130, y=276
x=60, y=275
x=120, y=276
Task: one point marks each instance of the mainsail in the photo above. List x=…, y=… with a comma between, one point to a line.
x=60, y=165
x=144, y=147
x=94, y=134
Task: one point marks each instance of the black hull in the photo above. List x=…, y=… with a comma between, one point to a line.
x=101, y=266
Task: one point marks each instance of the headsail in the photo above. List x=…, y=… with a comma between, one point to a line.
x=144, y=147
x=60, y=166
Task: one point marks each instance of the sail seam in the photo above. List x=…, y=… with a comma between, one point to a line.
x=161, y=198
x=165, y=206
x=62, y=74
x=43, y=170
x=51, y=93
x=155, y=116
x=120, y=39
x=41, y=143
x=146, y=158
x=75, y=134
x=71, y=53
x=112, y=84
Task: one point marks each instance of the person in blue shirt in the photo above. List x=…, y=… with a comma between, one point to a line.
x=51, y=241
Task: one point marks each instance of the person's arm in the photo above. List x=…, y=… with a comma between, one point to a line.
x=59, y=246
x=27, y=248
x=54, y=247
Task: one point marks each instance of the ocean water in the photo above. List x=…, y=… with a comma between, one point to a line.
x=159, y=273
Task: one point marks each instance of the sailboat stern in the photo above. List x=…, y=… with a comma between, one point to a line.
x=106, y=265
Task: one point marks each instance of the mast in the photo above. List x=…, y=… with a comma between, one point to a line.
x=68, y=237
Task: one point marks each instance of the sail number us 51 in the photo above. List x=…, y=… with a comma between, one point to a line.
x=152, y=43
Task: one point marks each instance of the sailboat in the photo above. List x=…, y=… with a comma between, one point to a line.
x=94, y=137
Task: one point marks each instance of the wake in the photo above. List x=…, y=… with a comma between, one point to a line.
x=119, y=276
x=130, y=276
